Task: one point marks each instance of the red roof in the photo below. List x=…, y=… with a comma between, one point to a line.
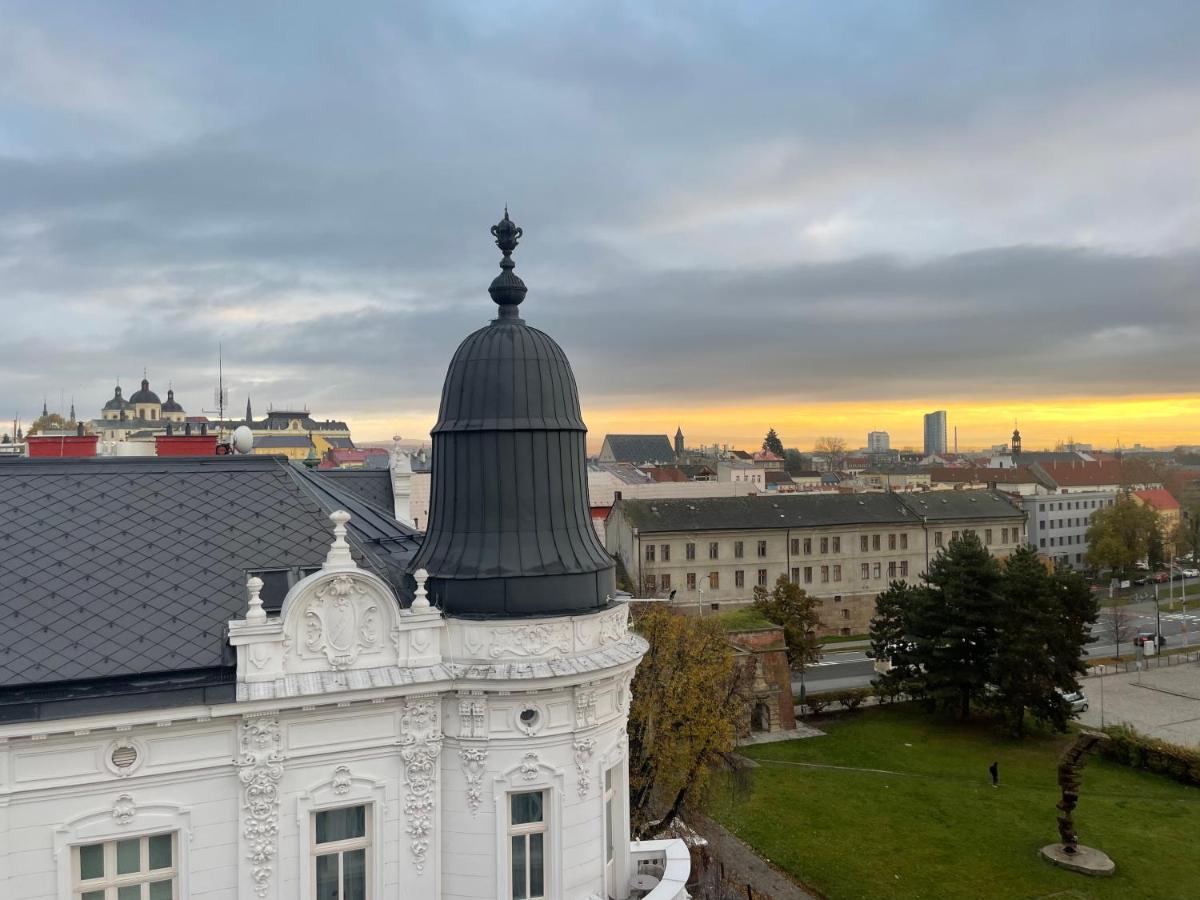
x=665, y=473
x=343, y=456
x=1081, y=473
x=1159, y=498
x=766, y=456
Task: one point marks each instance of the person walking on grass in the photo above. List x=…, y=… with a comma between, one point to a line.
x=994, y=771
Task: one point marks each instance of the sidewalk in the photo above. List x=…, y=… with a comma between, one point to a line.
x=1160, y=702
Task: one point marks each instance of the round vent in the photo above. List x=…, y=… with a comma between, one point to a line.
x=124, y=756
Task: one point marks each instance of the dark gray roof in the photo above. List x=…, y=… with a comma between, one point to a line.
x=121, y=568
x=372, y=485
x=282, y=441
x=809, y=511
x=639, y=448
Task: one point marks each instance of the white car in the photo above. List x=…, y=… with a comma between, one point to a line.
x=1191, y=573
x=1077, y=701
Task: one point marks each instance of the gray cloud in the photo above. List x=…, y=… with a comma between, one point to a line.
x=722, y=201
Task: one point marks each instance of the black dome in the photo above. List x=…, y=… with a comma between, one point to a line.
x=171, y=405
x=117, y=401
x=510, y=530
x=145, y=395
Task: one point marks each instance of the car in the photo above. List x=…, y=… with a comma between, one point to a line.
x=1148, y=636
x=1191, y=573
x=1077, y=701
x=1141, y=581
x=1160, y=577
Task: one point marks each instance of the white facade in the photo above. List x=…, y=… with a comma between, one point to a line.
x=878, y=442
x=345, y=700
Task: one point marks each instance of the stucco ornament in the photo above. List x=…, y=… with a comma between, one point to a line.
x=539, y=639
x=585, y=708
x=529, y=766
x=341, y=780
x=260, y=767
x=614, y=626
x=124, y=809
x=474, y=764
x=583, y=754
x=471, y=718
x=421, y=744
x=341, y=620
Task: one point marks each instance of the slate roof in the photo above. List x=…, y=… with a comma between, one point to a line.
x=639, y=448
x=984, y=475
x=281, y=441
x=122, y=568
x=372, y=485
x=811, y=510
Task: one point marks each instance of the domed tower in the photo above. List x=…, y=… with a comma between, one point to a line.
x=145, y=402
x=1016, y=442
x=171, y=410
x=114, y=407
x=510, y=531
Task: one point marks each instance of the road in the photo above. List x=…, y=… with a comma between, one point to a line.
x=841, y=669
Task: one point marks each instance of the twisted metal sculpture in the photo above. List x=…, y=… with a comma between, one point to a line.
x=1070, y=766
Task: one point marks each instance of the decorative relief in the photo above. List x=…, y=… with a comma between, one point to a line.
x=341, y=780
x=472, y=718
x=474, y=763
x=124, y=756
x=587, y=633
x=529, y=767
x=583, y=754
x=124, y=810
x=625, y=692
x=261, y=768
x=421, y=744
x=341, y=620
x=539, y=639
x=530, y=718
x=614, y=626
x=585, y=708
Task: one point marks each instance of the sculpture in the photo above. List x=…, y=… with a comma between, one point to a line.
x=1070, y=765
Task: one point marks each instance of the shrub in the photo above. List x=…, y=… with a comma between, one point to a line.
x=1129, y=748
x=817, y=703
x=851, y=698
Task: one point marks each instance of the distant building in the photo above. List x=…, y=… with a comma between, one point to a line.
x=293, y=433
x=638, y=449
x=841, y=548
x=679, y=442
x=1058, y=525
x=140, y=417
x=878, y=442
x=935, y=433
x=1167, y=507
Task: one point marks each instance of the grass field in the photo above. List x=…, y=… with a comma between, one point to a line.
x=928, y=824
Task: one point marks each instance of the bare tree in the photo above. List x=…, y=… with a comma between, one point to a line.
x=833, y=449
x=1118, y=626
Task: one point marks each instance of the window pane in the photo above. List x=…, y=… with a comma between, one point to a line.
x=160, y=851
x=91, y=861
x=92, y=895
x=527, y=808
x=162, y=890
x=341, y=824
x=518, y=867
x=327, y=877
x=608, y=829
x=129, y=856
x=130, y=892
x=536, y=878
x=354, y=875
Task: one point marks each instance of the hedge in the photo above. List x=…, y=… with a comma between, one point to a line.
x=1129, y=748
x=849, y=699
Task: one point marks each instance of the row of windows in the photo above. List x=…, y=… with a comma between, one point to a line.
x=1005, y=534
x=145, y=868
x=829, y=573
x=1075, y=504
x=1062, y=541
x=1073, y=522
x=805, y=546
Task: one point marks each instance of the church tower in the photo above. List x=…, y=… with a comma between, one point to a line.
x=678, y=443
x=1016, y=442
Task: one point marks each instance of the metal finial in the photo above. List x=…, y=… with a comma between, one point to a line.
x=507, y=289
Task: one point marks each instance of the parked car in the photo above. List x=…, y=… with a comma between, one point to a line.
x=1142, y=580
x=1191, y=573
x=1160, y=577
x=1148, y=636
x=1077, y=701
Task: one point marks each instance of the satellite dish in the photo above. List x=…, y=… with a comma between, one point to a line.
x=243, y=439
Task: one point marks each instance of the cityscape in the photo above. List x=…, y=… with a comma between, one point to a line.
x=599, y=452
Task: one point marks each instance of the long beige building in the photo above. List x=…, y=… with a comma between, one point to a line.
x=841, y=548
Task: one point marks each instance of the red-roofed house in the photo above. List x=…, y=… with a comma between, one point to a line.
x=1167, y=507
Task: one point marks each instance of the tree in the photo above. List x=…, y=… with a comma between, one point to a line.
x=1118, y=626
x=689, y=695
x=1120, y=535
x=833, y=449
x=794, y=461
x=788, y=606
x=49, y=422
x=773, y=443
x=1040, y=639
x=892, y=638
x=954, y=628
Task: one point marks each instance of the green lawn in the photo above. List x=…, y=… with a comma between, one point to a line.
x=744, y=618
x=938, y=829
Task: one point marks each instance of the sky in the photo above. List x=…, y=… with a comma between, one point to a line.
x=822, y=218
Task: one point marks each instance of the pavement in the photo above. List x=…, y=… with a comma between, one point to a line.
x=1162, y=702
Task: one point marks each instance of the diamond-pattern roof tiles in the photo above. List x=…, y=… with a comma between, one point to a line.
x=118, y=567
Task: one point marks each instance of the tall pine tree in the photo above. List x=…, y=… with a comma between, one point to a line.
x=892, y=638
x=954, y=628
x=773, y=443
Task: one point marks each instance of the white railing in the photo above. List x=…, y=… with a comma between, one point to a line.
x=660, y=869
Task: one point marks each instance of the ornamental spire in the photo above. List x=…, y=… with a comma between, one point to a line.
x=507, y=289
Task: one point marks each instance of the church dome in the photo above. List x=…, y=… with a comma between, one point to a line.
x=117, y=402
x=510, y=531
x=171, y=405
x=145, y=395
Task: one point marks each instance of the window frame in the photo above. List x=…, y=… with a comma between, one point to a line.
x=527, y=777
x=365, y=842
x=111, y=882
x=351, y=790
x=526, y=830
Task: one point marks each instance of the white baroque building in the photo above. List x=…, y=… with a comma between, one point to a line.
x=445, y=723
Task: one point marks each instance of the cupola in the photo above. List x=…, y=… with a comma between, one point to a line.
x=510, y=531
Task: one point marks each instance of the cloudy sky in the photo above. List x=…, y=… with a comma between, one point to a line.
x=822, y=218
